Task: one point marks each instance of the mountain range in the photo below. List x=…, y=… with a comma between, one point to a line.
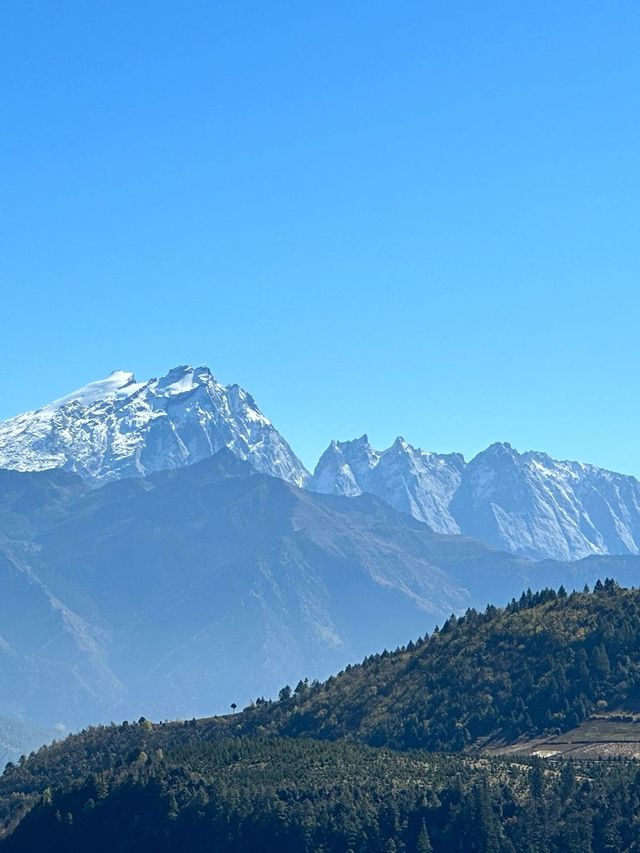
x=163, y=550
x=182, y=592
x=526, y=503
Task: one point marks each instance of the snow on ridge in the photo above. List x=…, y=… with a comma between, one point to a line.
x=526, y=503
x=118, y=427
x=411, y=480
x=119, y=382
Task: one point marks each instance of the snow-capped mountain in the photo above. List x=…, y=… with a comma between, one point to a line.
x=531, y=504
x=119, y=427
x=409, y=479
x=526, y=503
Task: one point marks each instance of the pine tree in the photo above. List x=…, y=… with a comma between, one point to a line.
x=537, y=782
x=567, y=780
x=423, y=844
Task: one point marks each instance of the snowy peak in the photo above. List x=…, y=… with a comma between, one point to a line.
x=401, y=446
x=526, y=503
x=182, y=380
x=120, y=382
x=119, y=427
x=408, y=478
x=343, y=465
x=334, y=475
x=536, y=506
x=344, y=468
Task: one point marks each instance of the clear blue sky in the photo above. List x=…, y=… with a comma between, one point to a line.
x=393, y=217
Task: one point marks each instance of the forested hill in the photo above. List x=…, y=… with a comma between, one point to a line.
x=259, y=795
x=544, y=663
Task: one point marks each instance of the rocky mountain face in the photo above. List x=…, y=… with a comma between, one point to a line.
x=177, y=594
x=411, y=480
x=531, y=504
x=526, y=503
x=118, y=427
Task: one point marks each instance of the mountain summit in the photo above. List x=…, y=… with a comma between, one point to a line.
x=119, y=427
x=410, y=479
x=526, y=503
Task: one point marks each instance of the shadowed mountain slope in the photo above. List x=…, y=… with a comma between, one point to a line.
x=180, y=593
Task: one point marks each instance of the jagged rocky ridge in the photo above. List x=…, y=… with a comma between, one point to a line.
x=118, y=427
x=526, y=503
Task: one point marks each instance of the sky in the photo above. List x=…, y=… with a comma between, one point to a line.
x=414, y=218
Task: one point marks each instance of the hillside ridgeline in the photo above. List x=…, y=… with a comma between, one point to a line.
x=542, y=665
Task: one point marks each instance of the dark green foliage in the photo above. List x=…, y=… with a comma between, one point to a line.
x=541, y=665
x=236, y=784
x=98, y=750
x=264, y=794
x=423, y=842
